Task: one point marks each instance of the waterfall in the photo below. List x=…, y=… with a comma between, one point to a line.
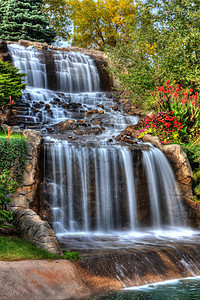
x=95, y=190
x=73, y=72
x=93, y=184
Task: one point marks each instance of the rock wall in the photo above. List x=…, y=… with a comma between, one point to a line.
x=4, y=55
x=30, y=224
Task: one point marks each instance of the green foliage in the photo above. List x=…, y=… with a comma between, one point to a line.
x=135, y=75
x=13, y=248
x=13, y=136
x=11, y=83
x=24, y=20
x=73, y=256
x=165, y=125
x=12, y=156
x=101, y=22
x=193, y=153
x=184, y=105
x=163, y=44
x=7, y=187
x=177, y=43
x=57, y=15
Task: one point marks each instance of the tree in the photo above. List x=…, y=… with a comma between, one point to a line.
x=57, y=15
x=10, y=83
x=178, y=48
x=24, y=20
x=100, y=22
x=163, y=45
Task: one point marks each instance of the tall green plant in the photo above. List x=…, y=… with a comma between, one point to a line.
x=11, y=83
x=7, y=187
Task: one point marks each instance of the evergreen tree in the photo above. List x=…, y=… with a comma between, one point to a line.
x=24, y=20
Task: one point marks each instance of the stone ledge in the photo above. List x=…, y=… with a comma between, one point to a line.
x=30, y=225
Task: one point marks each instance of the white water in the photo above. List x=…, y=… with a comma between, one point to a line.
x=93, y=183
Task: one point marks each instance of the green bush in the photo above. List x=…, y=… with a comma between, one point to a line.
x=12, y=156
x=11, y=83
x=193, y=153
x=7, y=187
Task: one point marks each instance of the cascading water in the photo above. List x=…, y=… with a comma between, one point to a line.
x=103, y=195
x=94, y=184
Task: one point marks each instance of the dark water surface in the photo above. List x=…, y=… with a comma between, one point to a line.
x=183, y=289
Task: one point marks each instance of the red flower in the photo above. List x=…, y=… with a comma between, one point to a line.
x=168, y=82
x=191, y=91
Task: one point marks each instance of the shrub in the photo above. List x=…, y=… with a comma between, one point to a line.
x=11, y=83
x=7, y=187
x=193, y=153
x=165, y=125
x=12, y=156
x=184, y=105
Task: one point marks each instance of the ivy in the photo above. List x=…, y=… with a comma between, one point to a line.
x=12, y=156
x=7, y=187
x=193, y=153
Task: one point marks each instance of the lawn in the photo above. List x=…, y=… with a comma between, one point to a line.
x=14, y=248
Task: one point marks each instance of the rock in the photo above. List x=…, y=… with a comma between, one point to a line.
x=154, y=140
x=5, y=57
x=66, y=125
x=115, y=107
x=89, y=112
x=3, y=46
x=101, y=112
x=4, y=127
x=31, y=226
x=100, y=105
x=47, y=105
x=97, y=122
x=16, y=129
x=25, y=43
x=42, y=46
x=182, y=169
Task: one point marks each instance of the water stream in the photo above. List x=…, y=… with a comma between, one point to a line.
x=103, y=195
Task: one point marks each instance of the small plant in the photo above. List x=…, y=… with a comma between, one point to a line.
x=11, y=102
x=7, y=187
x=8, y=132
x=193, y=153
x=165, y=125
x=184, y=105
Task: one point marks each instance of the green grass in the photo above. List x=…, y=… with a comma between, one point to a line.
x=13, y=248
x=13, y=136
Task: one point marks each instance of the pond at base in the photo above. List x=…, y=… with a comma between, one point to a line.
x=183, y=289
